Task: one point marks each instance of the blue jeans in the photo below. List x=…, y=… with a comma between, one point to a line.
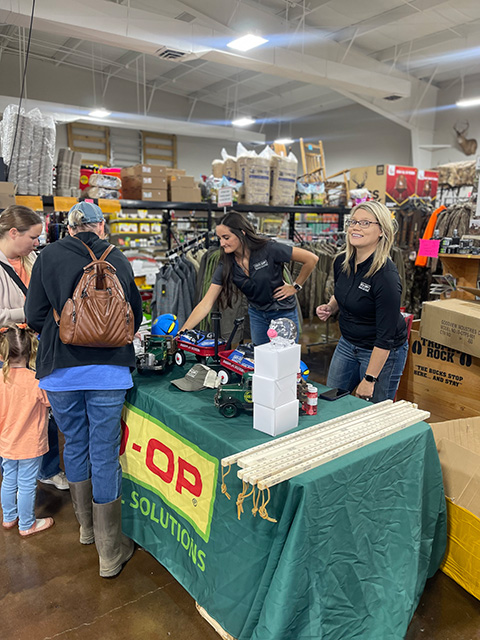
x=90, y=422
x=19, y=488
x=260, y=322
x=51, y=460
x=349, y=365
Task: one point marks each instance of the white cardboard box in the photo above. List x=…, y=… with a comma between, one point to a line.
x=273, y=393
x=271, y=362
x=275, y=421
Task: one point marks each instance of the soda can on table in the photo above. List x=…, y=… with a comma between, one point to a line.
x=310, y=405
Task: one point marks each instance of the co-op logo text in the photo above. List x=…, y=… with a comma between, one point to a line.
x=184, y=476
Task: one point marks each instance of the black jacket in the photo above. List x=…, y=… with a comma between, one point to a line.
x=55, y=275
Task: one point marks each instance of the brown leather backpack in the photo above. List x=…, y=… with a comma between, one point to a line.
x=97, y=314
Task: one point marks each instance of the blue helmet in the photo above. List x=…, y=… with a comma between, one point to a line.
x=304, y=370
x=165, y=325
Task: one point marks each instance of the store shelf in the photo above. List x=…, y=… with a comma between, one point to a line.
x=465, y=269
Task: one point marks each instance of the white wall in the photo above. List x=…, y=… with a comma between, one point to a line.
x=448, y=115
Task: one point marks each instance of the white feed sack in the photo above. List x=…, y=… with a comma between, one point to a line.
x=283, y=179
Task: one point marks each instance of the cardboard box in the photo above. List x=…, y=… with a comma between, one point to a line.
x=275, y=421
x=453, y=322
x=124, y=227
x=273, y=393
x=187, y=182
x=144, y=227
x=271, y=362
x=170, y=171
x=458, y=444
x=183, y=194
x=144, y=170
x=388, y=183
x=439, y=379
x=159, y=195
x=7, y=189
x=7, y=194
x=427, y=185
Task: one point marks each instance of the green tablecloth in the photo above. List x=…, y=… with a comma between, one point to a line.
x=355, y=539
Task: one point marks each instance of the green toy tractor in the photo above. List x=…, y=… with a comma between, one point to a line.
x=230, y=399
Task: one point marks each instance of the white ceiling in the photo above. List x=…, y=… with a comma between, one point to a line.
x=321, y=55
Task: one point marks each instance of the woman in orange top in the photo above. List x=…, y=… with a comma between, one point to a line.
x=23, y=429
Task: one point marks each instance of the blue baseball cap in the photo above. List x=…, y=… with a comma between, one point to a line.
x=91, y=212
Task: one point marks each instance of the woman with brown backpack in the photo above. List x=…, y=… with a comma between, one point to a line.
x=86, y=385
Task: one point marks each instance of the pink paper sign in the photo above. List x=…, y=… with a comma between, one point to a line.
x=429, y=248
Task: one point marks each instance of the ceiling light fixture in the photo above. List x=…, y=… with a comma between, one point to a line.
x=243, y=122
x=284, y=141
x=100, y=113
x=468, y=102
x=247, y=42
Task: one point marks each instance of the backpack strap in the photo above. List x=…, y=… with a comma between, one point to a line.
x=93, y=256
x=110, y=247
x=15, y=277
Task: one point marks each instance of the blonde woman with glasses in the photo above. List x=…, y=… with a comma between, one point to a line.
x=371, y=353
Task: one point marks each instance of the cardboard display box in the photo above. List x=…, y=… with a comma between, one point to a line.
x=427, y=184
x=388, y=183
x=185, y=194
x=175, y=172
x=158, y=195
x=7, y=194
x=439, y=379
x=453, y=322
x=144, y=170
x=187, y=182
x=458, y=444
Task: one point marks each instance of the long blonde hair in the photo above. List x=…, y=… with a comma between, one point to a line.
x=388, y=228
x=22, y=219
x=17, y=341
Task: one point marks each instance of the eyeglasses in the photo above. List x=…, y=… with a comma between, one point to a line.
x=361, y=223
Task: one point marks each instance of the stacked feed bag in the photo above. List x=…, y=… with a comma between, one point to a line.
x=68, y=173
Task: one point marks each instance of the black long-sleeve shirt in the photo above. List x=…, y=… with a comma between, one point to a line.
x=370, y=307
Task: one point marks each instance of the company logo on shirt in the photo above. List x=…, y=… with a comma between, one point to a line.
x=184, y=476
x=260, y=265
x=364, y=286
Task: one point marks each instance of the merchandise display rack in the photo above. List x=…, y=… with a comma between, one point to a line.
x=210, y=209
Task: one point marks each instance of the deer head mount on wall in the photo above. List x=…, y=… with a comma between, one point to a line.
x=469, y=147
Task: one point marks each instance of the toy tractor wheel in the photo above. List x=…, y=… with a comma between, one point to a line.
x=180, y=358
x=229, y=410
x=224, y=376
x=201, y=359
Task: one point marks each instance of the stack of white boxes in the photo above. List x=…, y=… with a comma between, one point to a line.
x=275, y=404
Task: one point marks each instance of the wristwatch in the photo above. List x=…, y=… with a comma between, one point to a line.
x=297, y=286
x=370, y=378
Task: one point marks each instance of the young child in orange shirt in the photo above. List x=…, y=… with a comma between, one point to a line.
x=23, y=429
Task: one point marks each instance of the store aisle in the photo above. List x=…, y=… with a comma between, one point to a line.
x=50, y=588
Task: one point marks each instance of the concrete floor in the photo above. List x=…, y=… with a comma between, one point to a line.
x=50, y=588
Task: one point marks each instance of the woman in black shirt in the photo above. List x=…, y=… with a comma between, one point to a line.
x=372, y=351
x=254, y=265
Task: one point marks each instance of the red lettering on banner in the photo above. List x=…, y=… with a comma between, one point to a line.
x=184, y=483
x=125, y=432
x=156, y=445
